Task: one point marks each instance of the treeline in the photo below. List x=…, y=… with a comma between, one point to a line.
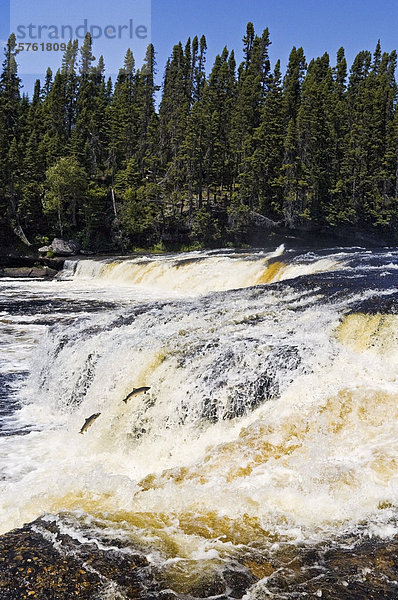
x=316, y=147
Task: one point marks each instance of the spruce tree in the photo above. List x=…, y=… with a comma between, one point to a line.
x=11, y=116
x=292, y=166
x=262, y=181
x=315, y=146
x=252, y=77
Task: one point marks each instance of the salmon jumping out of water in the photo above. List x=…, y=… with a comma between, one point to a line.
x=136, y=391
x=89, y=422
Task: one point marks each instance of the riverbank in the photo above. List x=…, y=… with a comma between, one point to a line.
x=18, y=262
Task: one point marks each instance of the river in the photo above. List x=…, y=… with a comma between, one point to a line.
x=270, y=428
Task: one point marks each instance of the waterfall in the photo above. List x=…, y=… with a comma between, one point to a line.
x=272, y=413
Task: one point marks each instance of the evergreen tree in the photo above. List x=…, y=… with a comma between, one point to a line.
x=292, y=166
x=338, y=210
x=173, y=119
x=147, y=118
x=11, y=116
x=263, y=169
x=315, y=147
x=33, y=167
x=124, y=115
x=252, y=77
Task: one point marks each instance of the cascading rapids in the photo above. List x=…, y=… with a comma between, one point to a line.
x=191, y=275
x=265, y=419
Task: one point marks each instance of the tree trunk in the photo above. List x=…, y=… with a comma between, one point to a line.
x=114, y=203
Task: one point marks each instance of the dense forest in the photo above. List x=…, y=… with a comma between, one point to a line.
x=240, y=147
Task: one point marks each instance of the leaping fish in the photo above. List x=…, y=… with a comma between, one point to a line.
x=89, y=422
x=136, y=391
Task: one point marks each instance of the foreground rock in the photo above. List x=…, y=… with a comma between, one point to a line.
x=29, y=272
x=353, y=569
x=39, y=562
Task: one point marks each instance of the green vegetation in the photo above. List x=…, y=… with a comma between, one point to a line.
x=316, y=147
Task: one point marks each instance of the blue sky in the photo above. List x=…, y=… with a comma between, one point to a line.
x=317, y=25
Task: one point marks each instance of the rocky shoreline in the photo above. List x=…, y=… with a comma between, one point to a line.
x=36, y=272
x=39, y=561
x=45, y=264
x=30, y=267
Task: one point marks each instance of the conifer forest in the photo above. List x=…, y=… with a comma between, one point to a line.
x=220, y=148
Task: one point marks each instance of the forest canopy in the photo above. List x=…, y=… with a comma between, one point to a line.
x=245, y=145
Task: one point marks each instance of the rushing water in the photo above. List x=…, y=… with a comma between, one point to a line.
x=271, y=420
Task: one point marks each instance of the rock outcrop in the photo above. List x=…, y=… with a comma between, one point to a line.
x=62, y=247
x=29, y=272
x=40, y=562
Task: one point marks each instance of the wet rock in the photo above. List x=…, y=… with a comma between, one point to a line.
x=30, y=567
x=29, y=272
x=50, y=272
x=238, y=581
x=56, y=263
x=38, y=561
x=365, y=570
x=16, y=272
